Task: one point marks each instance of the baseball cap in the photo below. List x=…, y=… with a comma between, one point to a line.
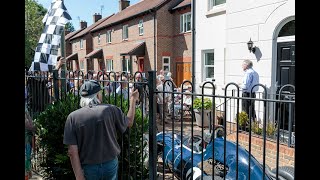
x=89, y=88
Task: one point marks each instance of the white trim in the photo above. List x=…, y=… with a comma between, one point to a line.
x=140, y=27
x=183, y=17
x=166, y=64
x=81, y=43
x=124, y=32
x=286, y=39
x=107, y=36
x=217, y=10
x=203, y=52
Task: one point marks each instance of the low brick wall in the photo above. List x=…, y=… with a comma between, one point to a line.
x=286, y=154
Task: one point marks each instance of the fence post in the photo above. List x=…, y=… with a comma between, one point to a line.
x=55, y=84
x=152, y=126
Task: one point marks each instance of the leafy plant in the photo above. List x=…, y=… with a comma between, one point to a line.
x=207, y=103
x=50, y=128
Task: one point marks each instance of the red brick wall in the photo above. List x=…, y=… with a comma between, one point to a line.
x=182, y=44
x=118, y=46
x=286, y=154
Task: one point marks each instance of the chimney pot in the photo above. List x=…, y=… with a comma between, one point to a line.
x=123, y=4
x=96, y=17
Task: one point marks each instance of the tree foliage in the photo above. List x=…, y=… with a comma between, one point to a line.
x=34, y=14
x=69, y=27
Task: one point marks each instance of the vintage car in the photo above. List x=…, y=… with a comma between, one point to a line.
x=170, y=145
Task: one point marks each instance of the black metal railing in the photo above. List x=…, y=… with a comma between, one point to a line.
x=194, y=144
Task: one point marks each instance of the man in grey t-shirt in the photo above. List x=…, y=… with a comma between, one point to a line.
x=90, y=133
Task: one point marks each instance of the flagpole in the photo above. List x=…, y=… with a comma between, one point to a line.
x=63, y=66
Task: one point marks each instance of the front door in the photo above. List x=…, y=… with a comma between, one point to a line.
x=285, y=75
x=141, y=64
x=183, y=72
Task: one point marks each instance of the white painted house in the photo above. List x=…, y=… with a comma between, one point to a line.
x=223, y=29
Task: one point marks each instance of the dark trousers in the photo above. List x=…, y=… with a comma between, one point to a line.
x=246, y=104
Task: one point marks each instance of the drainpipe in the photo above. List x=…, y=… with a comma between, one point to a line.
x=193, y=12
x=154, y=40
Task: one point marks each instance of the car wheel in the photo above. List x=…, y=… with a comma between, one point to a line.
x=286, y=172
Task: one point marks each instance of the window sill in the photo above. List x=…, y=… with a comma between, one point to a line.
x=187, y=32
x=140, y=34
x=217, y=10
x=124, y=39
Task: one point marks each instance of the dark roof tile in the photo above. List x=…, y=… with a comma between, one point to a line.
x=182, y=4
x=88, y=29
x=131, y=11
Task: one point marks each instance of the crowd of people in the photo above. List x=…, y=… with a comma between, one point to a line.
x=95, y=124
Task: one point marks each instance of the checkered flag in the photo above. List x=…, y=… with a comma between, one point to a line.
x=46, y=52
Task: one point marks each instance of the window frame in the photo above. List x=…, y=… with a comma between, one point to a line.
x=212, y=4
x=81, y=65
x=125, y=29
x=204, y=73
x=128, y=63
x=108, y=36
x=107, y=65
x=166, y=64
x=183, y=22
x=140, y=27
x=99, y=38
x=81, y=43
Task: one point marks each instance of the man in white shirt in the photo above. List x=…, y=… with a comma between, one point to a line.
x=250, y=79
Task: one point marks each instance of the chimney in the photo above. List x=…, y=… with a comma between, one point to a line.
x=83, y=24
x=96, y=17
x=123, y=4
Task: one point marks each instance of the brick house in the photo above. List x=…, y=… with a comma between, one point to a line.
x=182, y=42
x=81, y=44
x=141, y=37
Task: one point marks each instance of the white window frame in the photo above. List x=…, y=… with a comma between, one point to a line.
x=140, y=26
x=81, y=65
x=109, y=65
x=166, y=64
x=212, y=4
x=125, y=31
x=183, y=22
x=128, y=70
x=108, y=36
x=204, y=52
x=81, y=43
x=99, y=38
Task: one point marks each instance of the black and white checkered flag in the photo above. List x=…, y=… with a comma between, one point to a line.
x=46, y=53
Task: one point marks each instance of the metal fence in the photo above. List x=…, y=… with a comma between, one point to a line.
x=179, y=140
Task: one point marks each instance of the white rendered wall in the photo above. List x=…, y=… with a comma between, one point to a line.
x=210, y=34
x=260, y=21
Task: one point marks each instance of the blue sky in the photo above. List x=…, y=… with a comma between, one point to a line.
x=86, y=8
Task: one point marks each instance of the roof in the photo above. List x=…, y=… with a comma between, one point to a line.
x=184, y=3
x=73, y=56
x=137, y=49
x=68, y=36
x=88, y=29
x=130, y=12
x=95, y=54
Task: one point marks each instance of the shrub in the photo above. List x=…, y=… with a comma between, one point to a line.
x=271, y=129
x=243, y=118
x=132, y=155
x=50, y=128
x=256, y=129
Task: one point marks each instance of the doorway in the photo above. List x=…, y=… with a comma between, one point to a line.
x=183, y=72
